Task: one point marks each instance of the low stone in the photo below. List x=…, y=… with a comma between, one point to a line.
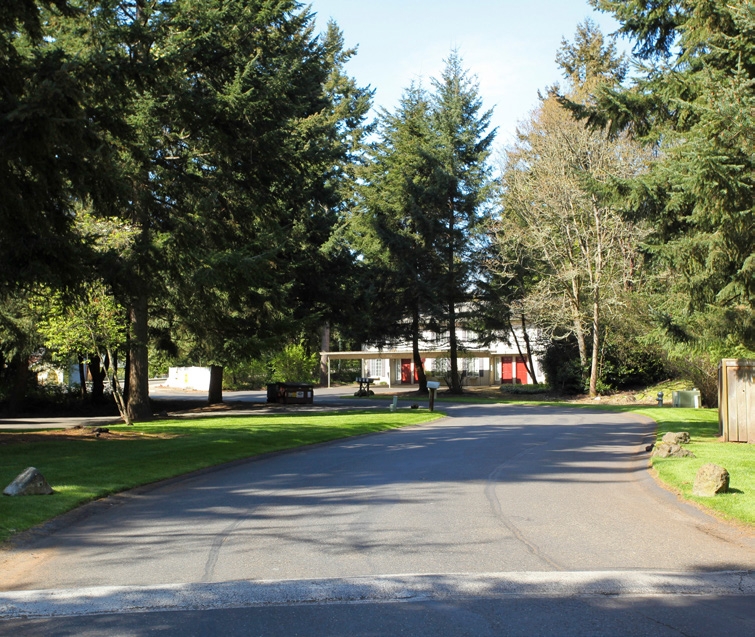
x=667, y=450
x=710, y=480
x=676, y=437
x=29, y=482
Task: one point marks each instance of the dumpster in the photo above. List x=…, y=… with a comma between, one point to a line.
x=290, y=393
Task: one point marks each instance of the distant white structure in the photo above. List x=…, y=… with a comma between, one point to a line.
x=197, y=378
x=498, y=364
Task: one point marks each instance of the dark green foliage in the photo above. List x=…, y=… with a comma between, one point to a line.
x=560, y=364
x=231, y=124
x=427, y=190
x=693, y=100
x=51, y=154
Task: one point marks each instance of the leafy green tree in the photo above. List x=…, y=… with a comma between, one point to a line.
x=560, y=202
x=293, y=364
x=90, y=327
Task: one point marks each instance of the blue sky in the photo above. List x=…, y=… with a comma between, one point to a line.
x=510, y=45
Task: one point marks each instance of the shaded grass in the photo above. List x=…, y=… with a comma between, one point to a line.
x=85, y=468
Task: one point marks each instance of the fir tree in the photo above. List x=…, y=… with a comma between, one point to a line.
x=692, y=100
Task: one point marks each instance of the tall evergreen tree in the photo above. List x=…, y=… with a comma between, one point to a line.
x=50, y=153
x=462, y=145
x=228, y=119
x=426, y=193
x=402, y=203
x=692, y=100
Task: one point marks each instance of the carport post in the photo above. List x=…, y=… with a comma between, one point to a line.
x=328, y=371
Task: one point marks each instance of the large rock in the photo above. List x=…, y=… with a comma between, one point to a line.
x=667, y=450
x=710, y=480
x=29, y=482
x=676, y=437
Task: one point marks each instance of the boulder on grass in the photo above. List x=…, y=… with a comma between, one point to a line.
x=676, y=437
x=667, y=450
x=710, y=480
x=29, y=482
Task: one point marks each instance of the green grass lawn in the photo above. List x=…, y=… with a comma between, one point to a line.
x=737, y=458
x=81, y=469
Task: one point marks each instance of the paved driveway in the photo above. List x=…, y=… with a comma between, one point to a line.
x=495, y=511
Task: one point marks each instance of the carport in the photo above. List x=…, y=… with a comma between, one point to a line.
x=393, y=355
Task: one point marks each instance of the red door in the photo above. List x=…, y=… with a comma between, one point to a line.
x=406, y=371
x=507, y=376
x=521, y=371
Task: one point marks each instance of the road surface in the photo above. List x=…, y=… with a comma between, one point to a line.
x=495, y=520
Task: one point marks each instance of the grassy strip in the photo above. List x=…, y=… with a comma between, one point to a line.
x=679, y=473
x=81, y=469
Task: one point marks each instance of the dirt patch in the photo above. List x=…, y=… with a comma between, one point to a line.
x=76, y=433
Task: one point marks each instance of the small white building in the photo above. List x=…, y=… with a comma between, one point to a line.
x=196, y=378
x=499, y=363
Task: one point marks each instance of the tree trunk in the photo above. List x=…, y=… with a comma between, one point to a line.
x=526, y=356
x=216, y=385
x=127, y=368
x=98, y=379
x=111, y=369
x=528, y=347
x=324, y=347
x=138, y=406
x=595, y=345
x=577, y=322
x=20, y=367
x=82, y=378
x=418, y=366
x=453, y=347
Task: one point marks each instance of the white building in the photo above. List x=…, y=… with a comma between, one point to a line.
x=500, y=363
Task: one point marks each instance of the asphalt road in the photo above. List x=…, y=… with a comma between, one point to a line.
x=496, y=520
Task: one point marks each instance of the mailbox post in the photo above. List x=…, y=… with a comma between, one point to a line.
x=432, y=387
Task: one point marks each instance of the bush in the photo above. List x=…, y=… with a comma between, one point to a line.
x=560, y=364
x=625, y=363
x=252, y=374
x=294, y=365
x=540, y=388
x=346, y=370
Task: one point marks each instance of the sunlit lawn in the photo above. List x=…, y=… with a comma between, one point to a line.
x=737, y=458
x=85, y=468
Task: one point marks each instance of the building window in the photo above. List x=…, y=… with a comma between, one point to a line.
x=375, y=367
x=470, y=365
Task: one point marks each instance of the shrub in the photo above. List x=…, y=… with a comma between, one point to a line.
x=293, y=364
x=252, y=374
